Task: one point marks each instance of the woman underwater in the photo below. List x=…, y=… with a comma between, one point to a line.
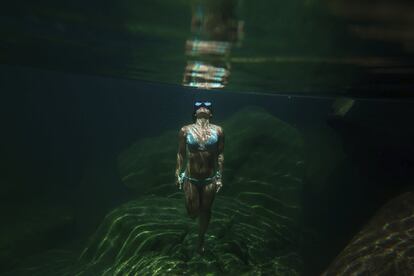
x=201, y=144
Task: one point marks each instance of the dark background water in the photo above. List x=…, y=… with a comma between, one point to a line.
x=61, y=133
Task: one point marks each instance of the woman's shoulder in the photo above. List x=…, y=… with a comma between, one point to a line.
x=219, y=129
x=185, y=128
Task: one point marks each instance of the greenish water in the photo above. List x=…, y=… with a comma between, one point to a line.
x=88, y=179
x=315, y=102
x=311, y=47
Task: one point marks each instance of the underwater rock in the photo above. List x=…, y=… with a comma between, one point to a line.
x=255, y=221
x=384, y=246
x=148, y=165
x=153, y=236
x=262, y=155
x=254, y=230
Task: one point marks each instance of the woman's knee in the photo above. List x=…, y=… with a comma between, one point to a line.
x=207, y=200
x=192, y=215
x=205, y=208
x=191, y=199
x=192, y=209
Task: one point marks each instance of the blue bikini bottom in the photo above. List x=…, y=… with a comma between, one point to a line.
x=200, y=182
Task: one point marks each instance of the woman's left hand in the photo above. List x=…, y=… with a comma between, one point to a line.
x=219, y=185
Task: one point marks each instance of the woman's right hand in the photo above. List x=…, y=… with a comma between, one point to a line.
x=178, y=183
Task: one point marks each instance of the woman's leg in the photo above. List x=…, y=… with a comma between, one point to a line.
x=206, y=201
x=192, y=199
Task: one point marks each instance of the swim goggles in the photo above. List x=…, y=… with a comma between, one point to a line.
x=202, y=104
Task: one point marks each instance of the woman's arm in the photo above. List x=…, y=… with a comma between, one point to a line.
x=180, y=155
x=220, y=159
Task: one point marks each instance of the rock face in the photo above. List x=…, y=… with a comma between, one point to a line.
x=384, y=246
x=262, y=155
x=153, y=236
x=254, y=227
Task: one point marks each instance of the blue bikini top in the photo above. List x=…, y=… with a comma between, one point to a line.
x=194, y=145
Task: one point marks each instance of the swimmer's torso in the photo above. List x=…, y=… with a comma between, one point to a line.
x=202, y=150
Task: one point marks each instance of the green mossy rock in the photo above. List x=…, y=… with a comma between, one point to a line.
x=255, y=223
x=254, y=228
x=384, y=246
x=153, y=236
x=262, y=155
x=148, y=165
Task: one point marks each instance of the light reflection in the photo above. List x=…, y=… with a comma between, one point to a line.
x=200, y=47
x=359, y=61
x=215, y=31
x=207, y=76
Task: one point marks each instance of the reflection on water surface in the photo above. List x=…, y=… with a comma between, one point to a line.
x=312, y=47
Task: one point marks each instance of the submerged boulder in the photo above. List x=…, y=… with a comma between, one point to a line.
x=153, y=236
x=254, y=228
x=384, y=245
x=255, y=221
x=264, y=156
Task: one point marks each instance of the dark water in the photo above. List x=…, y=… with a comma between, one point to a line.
x=62, y=133
x=315, y=101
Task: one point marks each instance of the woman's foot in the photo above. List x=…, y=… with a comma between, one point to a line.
x=200, y=248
